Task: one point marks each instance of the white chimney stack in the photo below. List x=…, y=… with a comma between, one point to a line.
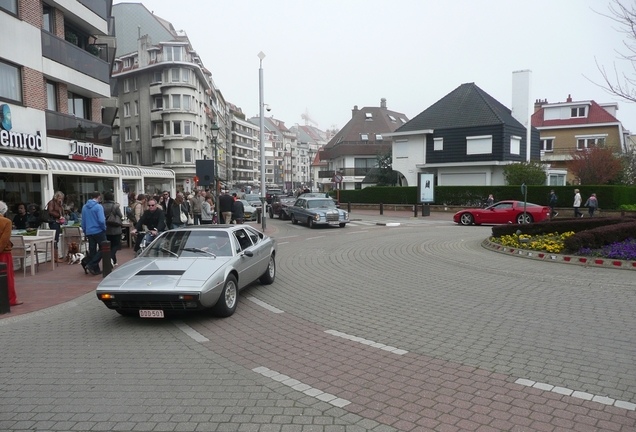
x=521, y=103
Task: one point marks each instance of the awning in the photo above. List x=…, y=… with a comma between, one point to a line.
x=128, y=171
x=151, y=172
x=21, y=164
x=67, y=166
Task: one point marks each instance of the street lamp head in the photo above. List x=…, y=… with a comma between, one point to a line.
x=215, y=130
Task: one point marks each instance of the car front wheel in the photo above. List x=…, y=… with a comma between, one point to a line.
x=226, y=305
x=310, y=223
x=270, y=274
x=466, y=219
x=293, y=219
x=528, y=219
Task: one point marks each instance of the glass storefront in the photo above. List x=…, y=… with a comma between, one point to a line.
x=20, y=189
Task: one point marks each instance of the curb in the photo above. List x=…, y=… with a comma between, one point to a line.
x=566, y=259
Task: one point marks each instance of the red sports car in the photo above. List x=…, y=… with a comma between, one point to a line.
x=502, y=212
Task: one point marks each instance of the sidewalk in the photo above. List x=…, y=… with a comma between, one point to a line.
x=52, y=287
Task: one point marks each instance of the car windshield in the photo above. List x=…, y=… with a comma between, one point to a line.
x=328, y=203
x=190, y=243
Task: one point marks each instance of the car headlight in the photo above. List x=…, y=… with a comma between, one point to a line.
x=317, y=217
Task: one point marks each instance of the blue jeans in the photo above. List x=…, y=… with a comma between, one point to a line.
x=179, y=225
x=95, y=240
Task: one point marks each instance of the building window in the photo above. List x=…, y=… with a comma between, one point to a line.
x=136, y=108
x=128, y=134
x=188, y=156
x=515, y=145
x=127, y=109
x=135, y=83
x=166, y=128
x=185, y=75
x=172, y=53
x=583, y=143
x=364, y=137
x=379, y=137
x=129, y=158
x=158, y=103
x=175, y=75
x=368, y=116
x=176, y=101
x=177, y=156
x=48, y=21
x=137, y=133
x=51, y=96
x=186, y=103
x=547, y=144
x=126, y=85
x=157, y=77
x=127, y=63
x=79, y=106
x=479, y=145
x=187, y=128
x=10, y=82
x=556, y=179
x=578, y=112
x=9, y=6
x=176, y=128
x=393, y=119
x=438, y=144
x=153, y=56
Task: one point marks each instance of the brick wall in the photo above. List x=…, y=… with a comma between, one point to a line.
x=30, y=11
x=34, y=89
x=59, y=23
x=62, y=98
x=96, y=110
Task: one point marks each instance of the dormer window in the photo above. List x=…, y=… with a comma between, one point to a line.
x=577, y=112
x=369, y=116
x=127, y=63
x=393, y=119
x=403, y=120
x=378, y=137
x=364, y=137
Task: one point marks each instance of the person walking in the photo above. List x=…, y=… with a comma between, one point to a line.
x=56, y=219
x=195, y=206
x=167, y=204
x=238, y=210
x=490, y=201
x=94, y=226
x=226, y=202
x=5, y=253
x=178, y=210
x=113, y=231
x=591, y=204
x=207, y=211
x=552, y=203
x=577, y=204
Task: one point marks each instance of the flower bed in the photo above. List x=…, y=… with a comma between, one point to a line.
x=551, y=242
x=625, y=250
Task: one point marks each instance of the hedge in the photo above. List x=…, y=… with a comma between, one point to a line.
x=601, y=236
x=560, y=225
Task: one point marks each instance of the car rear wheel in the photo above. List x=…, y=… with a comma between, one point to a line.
x=271, y=213
x=466, y=219
x=342, y=225
x=226, y=305
x=293, y=219
x=528, y=219
x=310, y=223
x=270, y=274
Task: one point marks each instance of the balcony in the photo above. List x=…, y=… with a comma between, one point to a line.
x=157, y=141
x=69, y=127
x=100, y=7
x=74, y=57
x=155, y=89
x=349, y=172
x=156, y=115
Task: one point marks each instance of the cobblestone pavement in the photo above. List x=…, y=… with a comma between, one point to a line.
x=371, y=327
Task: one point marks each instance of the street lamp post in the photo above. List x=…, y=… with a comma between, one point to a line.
x=261, y=104
x=215, y=133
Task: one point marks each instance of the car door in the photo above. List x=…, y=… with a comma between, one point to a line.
x=260, y=249
x=246, y=266
x=501, y=213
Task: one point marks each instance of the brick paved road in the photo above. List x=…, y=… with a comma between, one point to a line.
x=366, y=328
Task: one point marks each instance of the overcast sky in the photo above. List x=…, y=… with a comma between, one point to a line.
x=325, y=56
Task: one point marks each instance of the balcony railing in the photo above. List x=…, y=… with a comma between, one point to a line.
x=74, y=57
x=69, y=127
x=349, y=172
x=100, y=7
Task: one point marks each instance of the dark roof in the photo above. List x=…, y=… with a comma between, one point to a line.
x=135, y=18
x=596, y=114
x=379, y=122
x=466, y=106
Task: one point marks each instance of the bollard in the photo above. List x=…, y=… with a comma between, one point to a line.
x=4, y=290
x=415, y=210
x=258, y=215
x=349, y=207
x=381, y=208
x=107, y=264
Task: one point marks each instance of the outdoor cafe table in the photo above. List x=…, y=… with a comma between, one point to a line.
x=32, y=241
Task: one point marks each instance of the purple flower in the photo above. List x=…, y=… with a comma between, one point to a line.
x=625, y=250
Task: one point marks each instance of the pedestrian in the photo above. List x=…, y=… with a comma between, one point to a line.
x=195, y=205
x=155, y=221
x=552, y=204
x=167, y=203
x=226, y=202
x=21, y=217
x=591, y=204
x=5, y=253
x=490, y=201
x=238, y=210
x=577, y=204
x=113, y=231
x=207, y=211
x=178, y=212
x=56, y=220
x=94, y=227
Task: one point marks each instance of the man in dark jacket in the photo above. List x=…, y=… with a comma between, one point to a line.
x=155, y=221
x=238, y=210
x=226, y=202
x=167, y=203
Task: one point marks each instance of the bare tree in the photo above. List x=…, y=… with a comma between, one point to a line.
x=594, y=166
x=618, y=83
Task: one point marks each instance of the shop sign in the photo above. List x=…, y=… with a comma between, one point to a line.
x=86, y=151
x=16, y=140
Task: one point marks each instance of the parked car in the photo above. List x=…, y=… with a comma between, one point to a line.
x=279, y=206
x=317, y=211
x=319, y=195
x=249, y=211
x=271, y=192
x=502, y=212
x=254, y=200
x=192, y=268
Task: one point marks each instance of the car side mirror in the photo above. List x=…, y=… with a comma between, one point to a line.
x=248, y=253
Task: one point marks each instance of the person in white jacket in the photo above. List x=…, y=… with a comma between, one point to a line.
x=577, y=203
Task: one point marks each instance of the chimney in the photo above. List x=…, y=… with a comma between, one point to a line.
x=538, y=103
x=354, y=111
x=569, y=99
x=383, y=103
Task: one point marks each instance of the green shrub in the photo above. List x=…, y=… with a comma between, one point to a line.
x=558, y=225
x=601, y=236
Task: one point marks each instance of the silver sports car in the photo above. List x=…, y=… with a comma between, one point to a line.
x=192, y=268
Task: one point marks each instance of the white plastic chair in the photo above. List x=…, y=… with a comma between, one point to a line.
x=21, y=251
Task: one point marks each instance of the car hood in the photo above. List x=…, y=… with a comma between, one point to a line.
x=163, y=274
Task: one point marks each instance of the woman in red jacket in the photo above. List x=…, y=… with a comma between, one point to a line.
x=5, y=253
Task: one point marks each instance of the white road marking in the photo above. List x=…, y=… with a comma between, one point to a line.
x=190, y=331
x=299, y=386
x=265, y=305
x=577, y=394
x=367, y=342
x=314, y=238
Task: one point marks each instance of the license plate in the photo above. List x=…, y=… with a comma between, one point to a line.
x=334, y=222
x=144, y=313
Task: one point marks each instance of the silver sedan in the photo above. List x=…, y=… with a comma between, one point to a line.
x=192, y=268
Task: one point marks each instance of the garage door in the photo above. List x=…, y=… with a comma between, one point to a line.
x=465, y=179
